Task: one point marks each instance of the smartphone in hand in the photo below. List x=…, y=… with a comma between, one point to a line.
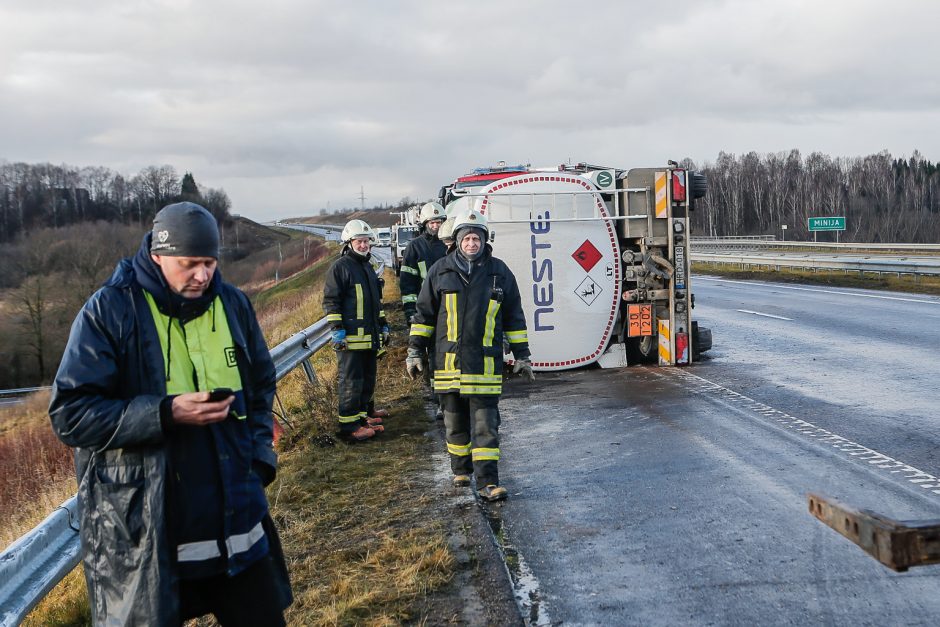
x=220, y=394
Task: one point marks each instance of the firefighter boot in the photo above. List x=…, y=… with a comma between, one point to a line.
x=461, y=481
x=493, y=493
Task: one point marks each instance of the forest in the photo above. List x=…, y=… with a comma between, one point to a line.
x=65, y=229
x=883, y=199
x=33, y=196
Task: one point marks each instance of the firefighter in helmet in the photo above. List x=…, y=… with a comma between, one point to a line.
x=352, y=300
x=419, y=255
x=468, y=303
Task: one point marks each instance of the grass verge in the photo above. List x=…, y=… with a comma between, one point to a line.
x=868, y=280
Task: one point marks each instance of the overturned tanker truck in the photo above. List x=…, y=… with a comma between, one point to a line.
x=601, y=256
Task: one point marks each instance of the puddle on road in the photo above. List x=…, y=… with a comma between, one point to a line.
x=525, y=586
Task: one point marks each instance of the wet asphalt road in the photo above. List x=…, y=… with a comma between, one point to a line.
x=677, y=496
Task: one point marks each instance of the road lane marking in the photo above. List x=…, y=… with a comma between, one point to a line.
x=766, y=315
x=821, y=291
x=843, y=445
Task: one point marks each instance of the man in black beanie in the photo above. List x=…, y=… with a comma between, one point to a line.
x=165, y=391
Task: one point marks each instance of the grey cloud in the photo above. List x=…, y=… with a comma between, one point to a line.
x=299, y=103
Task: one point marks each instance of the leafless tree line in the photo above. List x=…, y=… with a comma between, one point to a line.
x=34, y=196
x=883, y=199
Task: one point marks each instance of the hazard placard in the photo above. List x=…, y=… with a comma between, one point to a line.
x=586, y=255
x=640, y=320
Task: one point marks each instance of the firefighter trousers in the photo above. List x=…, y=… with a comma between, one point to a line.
x=356, y=387
x=472, y=427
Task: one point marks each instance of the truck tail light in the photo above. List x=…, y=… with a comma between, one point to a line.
x=682, y=348
x=678, y=185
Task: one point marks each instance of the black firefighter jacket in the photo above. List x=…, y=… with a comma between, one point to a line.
x=422, y=253
x=466, y=318
x=106, y=403
x=352, y=300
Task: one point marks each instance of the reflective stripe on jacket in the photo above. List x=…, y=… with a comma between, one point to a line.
x=466, y=317
x=420, y=254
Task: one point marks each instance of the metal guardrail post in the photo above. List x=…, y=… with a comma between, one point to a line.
x=912, y=265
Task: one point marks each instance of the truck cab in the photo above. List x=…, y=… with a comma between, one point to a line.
x=401, y=235
x=383, y=237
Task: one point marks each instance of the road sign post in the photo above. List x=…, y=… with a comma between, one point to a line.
x=835, y=223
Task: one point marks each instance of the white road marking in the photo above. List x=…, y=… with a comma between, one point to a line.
x=843, y=445
x=766, y=315
x=821, y=291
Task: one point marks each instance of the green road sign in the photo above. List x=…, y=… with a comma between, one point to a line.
x=826, y=224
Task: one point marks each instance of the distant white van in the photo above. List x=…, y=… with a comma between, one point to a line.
x=384, y=237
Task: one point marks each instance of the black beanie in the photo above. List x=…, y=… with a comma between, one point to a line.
x=460, y=233
x=185, y=229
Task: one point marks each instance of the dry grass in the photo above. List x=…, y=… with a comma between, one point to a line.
x=37, y=473
x=361, y=547
x=354, y=521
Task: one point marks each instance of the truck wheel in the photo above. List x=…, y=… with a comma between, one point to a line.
x=701, y=340
x=642, y=350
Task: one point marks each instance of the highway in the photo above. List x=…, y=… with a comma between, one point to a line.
x=677, y=496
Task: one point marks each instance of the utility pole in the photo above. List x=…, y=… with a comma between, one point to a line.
x=362, y=198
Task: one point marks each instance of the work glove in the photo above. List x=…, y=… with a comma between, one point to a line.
x=385, y=334
x=523, y=367
x=339, y=339
x=413, y=364
x=410, y=313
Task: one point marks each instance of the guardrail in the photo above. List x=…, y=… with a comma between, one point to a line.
x=914, y=266
x=39, y=560
x=22, y=391
x=763, y=242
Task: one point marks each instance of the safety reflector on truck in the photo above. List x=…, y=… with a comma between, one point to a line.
x=640, y=320
x=665, y=345
x=682, y=348
x=659, y=185
x=678, y=186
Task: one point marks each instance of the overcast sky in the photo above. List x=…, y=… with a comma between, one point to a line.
x=290, y=106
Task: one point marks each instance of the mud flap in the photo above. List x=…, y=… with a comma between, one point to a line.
x=614, y=357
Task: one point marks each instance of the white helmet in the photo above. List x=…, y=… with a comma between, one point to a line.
x=431, y=211
x=460, y=205
x=471, y=218
x=446, y=231
x=355, y=229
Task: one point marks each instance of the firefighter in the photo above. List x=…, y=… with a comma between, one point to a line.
x=352, y=300
x=469, y=301
x=420, y=254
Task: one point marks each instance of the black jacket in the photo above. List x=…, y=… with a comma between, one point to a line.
x=421, y=253
x=466, y=315
x=352, y=300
